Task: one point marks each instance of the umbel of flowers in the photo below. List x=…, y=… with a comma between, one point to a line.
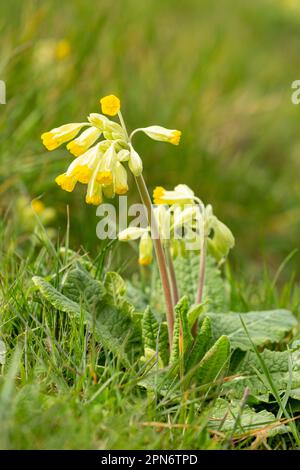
x=104, y=151
x=102, y=148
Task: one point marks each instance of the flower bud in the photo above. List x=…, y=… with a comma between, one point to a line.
x=145, y=250
x=135, y=162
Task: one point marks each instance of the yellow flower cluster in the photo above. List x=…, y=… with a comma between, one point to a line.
x=100, y=163
x=182, y=221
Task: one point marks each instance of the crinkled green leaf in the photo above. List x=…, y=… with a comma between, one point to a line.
x=264, y=328
x=215, y=298
x=115, y=288
x=228, y=418
x=215, y=362
x=182, y=337
x=136, y=296
x=250, y=374
x=113, y=327
x=57, y=299
x=187, y=272
x=116, y=292
x=200, y=345
x=79, y=286
x=155, y=335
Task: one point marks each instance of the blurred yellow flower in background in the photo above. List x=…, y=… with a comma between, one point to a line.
x=62, y=49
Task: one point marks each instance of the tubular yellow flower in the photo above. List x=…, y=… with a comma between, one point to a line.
x=120, y=179
x=81, y=169
x=109, y=191
x=135, y=162
x=66, y=182
x=63, y=49
x=105, y=170
x=161, y=134
x=94, y=193
x=181, y=194
x=81, y=144
x=98, y=120
x=132, y=233
x=110, y=105
x=38, y=206
x=60, y=135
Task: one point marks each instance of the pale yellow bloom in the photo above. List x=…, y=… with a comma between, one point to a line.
x=145, y=250
x=38, y=206
x=120, y=179
x=132, y=233
x=135, y=162
x=62, y=134
x=80, y=145
x=145, y=246
x=106, y=166
x=110, y=105
x=222, y=239
x=98, y=120
x=100, y=164
x=63, y=49
x=161, y=134
x=181, y=194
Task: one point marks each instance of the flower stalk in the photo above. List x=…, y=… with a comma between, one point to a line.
x=160, y=255
x=173, y=280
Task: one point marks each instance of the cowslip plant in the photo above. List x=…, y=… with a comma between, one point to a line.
x=202, y=348
x=101, y=151
x=185, y=225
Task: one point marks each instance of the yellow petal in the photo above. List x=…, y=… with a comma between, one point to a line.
x=66, y=182
x=110, y=105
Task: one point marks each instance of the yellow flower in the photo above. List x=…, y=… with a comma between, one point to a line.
x=94, y=193
x=145, y=250
x=132, y=233
x=145, y=246
x=66, y=182
x=120, y=179
x=63, y=49
x=110, y=105
x=161, y=134
x=106, y=166
x=60, y=135
x=80, y=145
x=38, y=206
x=135, y=162
x=101, y=164
x=182, y=194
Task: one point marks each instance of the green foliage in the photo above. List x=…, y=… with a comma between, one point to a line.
x=155, y=335
x=182, y=338
x=214, y=364
x=104, y=307
x=283, y=366
x=265, y=328
x=79, y=286
x=201, y=343
x=187, y=272
x=240, y=420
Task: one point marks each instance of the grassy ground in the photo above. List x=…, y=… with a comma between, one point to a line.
x=223, y=77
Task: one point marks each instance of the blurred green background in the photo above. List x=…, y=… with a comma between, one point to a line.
x=219, y=71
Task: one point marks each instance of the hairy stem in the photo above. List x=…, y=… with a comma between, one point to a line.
x=160, y=256
x=202, y=268
x=172, y=273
